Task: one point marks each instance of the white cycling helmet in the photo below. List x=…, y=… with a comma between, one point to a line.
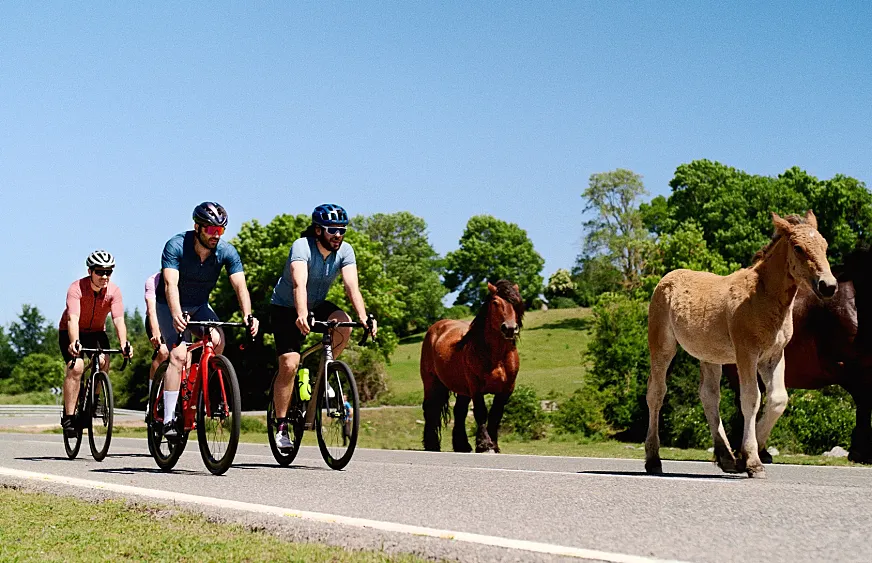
x=100, y=259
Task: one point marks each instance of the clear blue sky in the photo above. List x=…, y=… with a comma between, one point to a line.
x=117, y=118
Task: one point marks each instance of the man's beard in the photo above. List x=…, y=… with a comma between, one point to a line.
x=328, y=242
x=205, y=240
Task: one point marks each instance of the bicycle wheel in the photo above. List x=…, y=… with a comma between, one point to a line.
x=72, y=444
x=164, y=452
x=338, y=418
x=218, y=429
x=100, y=415
x=283, y=456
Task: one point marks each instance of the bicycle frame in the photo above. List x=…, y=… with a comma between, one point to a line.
x=190, y=390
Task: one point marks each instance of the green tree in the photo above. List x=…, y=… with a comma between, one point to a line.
x=408, y=257
x=8, y=358
x=594, y=276
x=490, y=250
x=31, y=333
x=617, y=230
x=35, y=372
x=686, y=248
x=560, y=284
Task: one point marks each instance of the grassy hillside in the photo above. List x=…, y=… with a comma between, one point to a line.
x=551, y=347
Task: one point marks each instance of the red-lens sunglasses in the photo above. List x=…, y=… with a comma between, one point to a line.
x=213, y=230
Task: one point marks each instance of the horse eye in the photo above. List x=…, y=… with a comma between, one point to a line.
x=798, y=249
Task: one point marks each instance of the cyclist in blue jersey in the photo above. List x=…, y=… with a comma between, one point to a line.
x=313, y=264
x=191, y=263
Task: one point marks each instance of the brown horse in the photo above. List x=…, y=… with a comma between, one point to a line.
x=471, y=360
x=832, y=345
x=745, y=319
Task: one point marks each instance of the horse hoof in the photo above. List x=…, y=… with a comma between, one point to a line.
x=860, y=457
x=653, y=467
x=765, y=456
x=462, y=448
x=756, y=471
x=728, y=465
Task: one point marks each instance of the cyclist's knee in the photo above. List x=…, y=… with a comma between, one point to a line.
x=288, y=362
x=178, y=356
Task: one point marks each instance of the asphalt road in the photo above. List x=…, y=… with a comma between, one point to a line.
x=694, y=513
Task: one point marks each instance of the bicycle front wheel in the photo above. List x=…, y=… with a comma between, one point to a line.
x=165, y=452
x=283, y=456
x=219, y=425
x=338, y=418
x=73, y=443
x=100, y=415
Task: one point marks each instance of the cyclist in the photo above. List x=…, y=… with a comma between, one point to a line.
x=191, y=263
x=152, y=328
x=83, y=324
x=314, y=261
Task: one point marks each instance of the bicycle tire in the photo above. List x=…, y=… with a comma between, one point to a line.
x=282, y=457
x=72, y=444
x=330, y=426
x=100, y=429
x=225, y=419
x=165, y=453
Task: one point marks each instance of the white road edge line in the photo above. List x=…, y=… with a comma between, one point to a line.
x=495, y=541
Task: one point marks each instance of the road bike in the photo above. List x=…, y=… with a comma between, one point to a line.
x=333, y=407
x=209, y=401
x=95, y=405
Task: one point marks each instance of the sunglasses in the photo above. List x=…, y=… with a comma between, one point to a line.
x=335, y=230
x=213, y=230
x=101, y=272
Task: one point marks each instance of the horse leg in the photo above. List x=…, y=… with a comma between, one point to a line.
x=483, y=442
x=772, y=374
x=435, y=412
x=750, y=394
x=861, y=437
x=495, y=416
x=710, y=394
x=662, y=346
x=459, y=440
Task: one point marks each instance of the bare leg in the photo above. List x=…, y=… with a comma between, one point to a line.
x=283, y=386
x=710, y=394
x=341, y=336
x=72, y=381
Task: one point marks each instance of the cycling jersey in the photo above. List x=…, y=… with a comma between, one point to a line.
x=197, y=278
x=322, y=272
x=91, y=306
x=151, y=286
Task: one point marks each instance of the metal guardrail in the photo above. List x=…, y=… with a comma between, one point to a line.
x=35, y=410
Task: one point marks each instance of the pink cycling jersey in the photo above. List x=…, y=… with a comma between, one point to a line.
x=151, y=286
x=91, y=307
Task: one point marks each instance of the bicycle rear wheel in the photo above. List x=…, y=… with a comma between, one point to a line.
x=218, y=429
x=164, y=452
x=73, y=443
x=100, y=415
x=284, y=457
x=338, y=418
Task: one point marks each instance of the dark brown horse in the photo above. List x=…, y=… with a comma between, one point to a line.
x=471, y=360
x=832, y=345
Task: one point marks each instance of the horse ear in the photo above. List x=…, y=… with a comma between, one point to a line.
x=781, y=225
x=518, y=289
x=811, y=219
x=491, y=288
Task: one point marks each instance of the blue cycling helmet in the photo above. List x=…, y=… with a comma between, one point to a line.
x=329, y=215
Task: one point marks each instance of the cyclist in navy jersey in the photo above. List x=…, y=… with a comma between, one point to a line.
x=191, y=263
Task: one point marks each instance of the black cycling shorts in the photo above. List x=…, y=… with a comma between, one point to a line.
x=86, y=339
x=284, y=324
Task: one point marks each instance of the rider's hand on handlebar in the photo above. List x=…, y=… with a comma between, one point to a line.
x=155, y=342
x=75, y=348
x=127, y=350
x=303, y=322
x=253, y=325
x=372, y=324
x=180, y=322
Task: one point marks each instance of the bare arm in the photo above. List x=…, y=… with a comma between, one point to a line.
x=151, y=319
x=171, y=289
x=352, y=290
x=121, y=331
x=237, y=282
x=300, y=275
x=73, y=330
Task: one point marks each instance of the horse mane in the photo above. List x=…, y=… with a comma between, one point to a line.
x=776, y=236
x=475, y=334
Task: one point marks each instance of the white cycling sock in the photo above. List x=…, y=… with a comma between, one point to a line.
x=170, y=400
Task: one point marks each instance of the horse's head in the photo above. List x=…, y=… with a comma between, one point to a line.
x=807, y=253
x=505, y=309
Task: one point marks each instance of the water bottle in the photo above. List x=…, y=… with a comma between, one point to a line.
x=303, y=384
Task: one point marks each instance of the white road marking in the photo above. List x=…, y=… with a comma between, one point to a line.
x=496, y=541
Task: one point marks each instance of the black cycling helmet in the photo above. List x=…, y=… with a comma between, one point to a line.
x=329, y=215
x=210, y=213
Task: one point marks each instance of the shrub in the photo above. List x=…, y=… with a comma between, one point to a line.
x=35, y=372
x=582, y=414
x=562, y=303
x=370, y=371
x=523, y=414
x=457, y=312
x=815, y=422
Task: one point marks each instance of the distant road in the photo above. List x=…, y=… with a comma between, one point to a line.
x=600, y=509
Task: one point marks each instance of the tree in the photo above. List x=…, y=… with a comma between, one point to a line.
x=560, y=284
x=594, y=276
x=7, y=355
x=35, y=372
x=30, y=333
x=686, y=248
x=408, y=257
x=617, y=231
x=490, y=250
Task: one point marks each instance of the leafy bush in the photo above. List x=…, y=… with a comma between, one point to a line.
x=369, y=370
x=815, y=422
x=582, y=414
x=523, y=414
x=457, y=312
x=35, y=372
x=252, y=424
x=562, y=303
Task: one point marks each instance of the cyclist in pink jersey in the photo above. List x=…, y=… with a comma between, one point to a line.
x=152, y=327
x=83, y=324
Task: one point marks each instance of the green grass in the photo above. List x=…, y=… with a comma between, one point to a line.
x=34, y=398
x=551, y=347
x=42, y=527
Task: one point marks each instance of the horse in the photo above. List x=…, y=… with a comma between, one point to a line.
x=471, y=360
x=830, y=346
x=744, y=318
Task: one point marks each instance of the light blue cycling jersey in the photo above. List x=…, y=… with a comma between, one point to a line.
x=322, y=272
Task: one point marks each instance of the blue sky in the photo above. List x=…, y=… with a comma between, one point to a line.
x=116, y=119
